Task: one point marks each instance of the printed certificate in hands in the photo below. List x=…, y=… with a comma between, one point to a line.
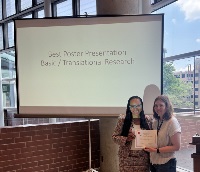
x=145, y=138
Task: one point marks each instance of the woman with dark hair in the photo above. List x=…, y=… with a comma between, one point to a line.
x=132, y=159
x=168, y=136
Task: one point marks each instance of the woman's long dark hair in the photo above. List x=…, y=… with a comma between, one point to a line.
x=128, y=119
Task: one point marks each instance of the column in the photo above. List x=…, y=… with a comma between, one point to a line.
x=47, y=8
x=109, y=161
x=123, y=7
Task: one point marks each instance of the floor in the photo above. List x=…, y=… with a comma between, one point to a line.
x=184, y=160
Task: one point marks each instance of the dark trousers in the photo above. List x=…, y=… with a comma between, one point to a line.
x=170, y=166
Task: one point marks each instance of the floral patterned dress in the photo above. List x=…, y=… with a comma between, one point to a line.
x=130, y=160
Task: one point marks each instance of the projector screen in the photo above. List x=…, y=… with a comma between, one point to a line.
x=86, y=66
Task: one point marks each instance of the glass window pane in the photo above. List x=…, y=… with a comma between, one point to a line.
x=178, y=79
x=8, y=65
x=64, y=8
x=181, y=36
x=1, y=38
x=9, y=93
x=181, y=28
x=8, y=78
x=26, y=4
x=1, y=10
x=40, y=14
x=88, y=6
x=10, y=8
x=11, y=34
x=152, y=1
x=39, y=1
x=28, y=16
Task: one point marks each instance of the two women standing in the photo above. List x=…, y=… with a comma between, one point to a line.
x=161, y=158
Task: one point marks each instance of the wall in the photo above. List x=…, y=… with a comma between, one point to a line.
x=52, y=147
x=63, y=146
x=10, y=120
x=189, y=126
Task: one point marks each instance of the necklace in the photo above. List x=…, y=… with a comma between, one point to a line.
x=159, y=126
x=135, y=116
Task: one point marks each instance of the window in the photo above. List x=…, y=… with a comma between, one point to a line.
x=64, y=8
x=10, y=8
x=27, y=16
x=8, y=78
x=26, y=4
x=88, y=7
x=40, y=13
x=155, y=1
x=1, y=37
x=1, y=10
x=177, y=76
x=189, y=75
x=39, y=1
x=11, y=34
x=180, y=21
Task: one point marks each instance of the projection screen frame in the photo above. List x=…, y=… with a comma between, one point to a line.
x=89, y=113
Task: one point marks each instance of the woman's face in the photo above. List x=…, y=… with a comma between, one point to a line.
x=135, y=106
x=159, y=107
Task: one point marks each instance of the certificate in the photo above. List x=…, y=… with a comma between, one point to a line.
x=145, y=138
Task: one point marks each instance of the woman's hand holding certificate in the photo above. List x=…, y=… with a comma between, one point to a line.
x=145, y=138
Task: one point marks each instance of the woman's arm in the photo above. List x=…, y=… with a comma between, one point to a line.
x=176, y=143
x=116, y=137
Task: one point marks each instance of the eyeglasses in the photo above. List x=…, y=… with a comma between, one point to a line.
x=135, y=106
